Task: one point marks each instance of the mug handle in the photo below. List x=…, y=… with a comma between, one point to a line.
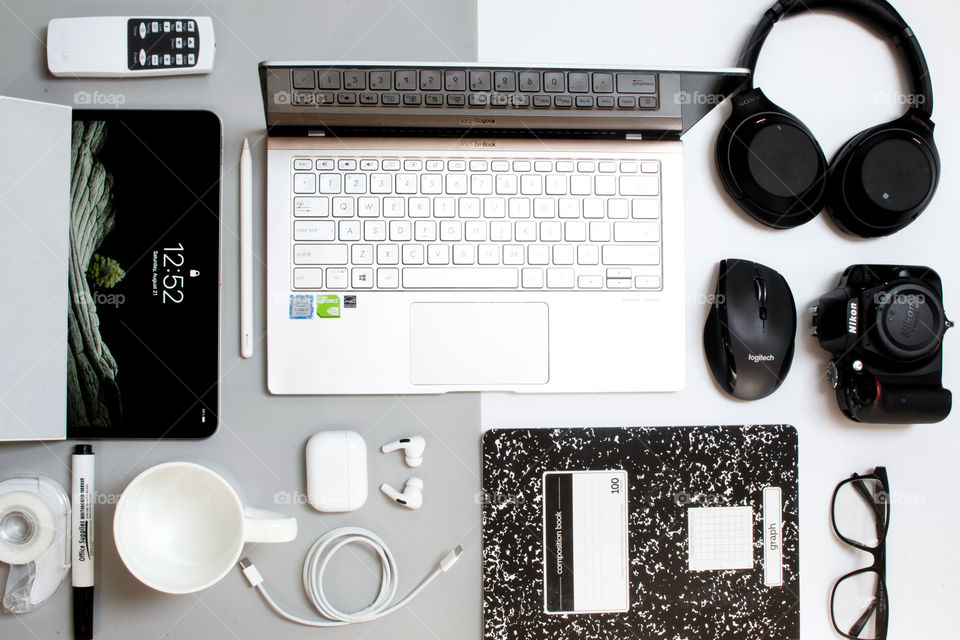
x=260, y=525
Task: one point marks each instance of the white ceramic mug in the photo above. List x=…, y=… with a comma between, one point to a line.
x=180, y=527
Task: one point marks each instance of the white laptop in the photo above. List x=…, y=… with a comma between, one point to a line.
x=436, y=228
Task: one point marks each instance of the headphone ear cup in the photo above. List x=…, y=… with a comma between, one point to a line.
x=770, y=163
x=884, y=177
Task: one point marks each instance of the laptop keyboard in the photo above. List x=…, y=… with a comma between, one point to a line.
x=469, y=223
x=505, y=88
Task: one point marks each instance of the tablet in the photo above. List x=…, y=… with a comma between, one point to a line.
x=144, y=274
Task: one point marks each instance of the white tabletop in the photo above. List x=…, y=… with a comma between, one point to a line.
x=839, y=79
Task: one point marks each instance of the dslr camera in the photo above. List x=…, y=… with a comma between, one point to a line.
x=884, y=325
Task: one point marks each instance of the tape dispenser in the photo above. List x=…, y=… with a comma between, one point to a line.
x=34, y=540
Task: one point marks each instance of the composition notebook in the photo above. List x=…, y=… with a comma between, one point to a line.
x=645, y=532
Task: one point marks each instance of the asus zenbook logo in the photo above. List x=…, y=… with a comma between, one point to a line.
x=852, y=315
x=759, y=357
x=478, y=144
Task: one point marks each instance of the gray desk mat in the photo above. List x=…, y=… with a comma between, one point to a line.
x=260, y=444
x=264, y=461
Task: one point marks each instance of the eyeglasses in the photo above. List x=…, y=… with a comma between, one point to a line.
x=860, y=511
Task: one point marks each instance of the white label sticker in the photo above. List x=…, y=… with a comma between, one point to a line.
x=586, y=561
x=720, y=538
x=772, y=537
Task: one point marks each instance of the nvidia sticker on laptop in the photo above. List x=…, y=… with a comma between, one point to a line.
x=328, y=306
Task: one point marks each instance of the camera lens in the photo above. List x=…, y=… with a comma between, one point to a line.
x=909, y=320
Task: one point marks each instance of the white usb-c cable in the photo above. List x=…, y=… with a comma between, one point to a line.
x=315, y=564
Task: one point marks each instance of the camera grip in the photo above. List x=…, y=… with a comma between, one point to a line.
x=901, y=404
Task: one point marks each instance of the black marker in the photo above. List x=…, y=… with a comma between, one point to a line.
x=82, y=575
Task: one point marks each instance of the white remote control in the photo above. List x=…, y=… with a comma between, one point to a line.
x=118, y=46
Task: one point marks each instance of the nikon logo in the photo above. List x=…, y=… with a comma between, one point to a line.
x=852, y=316
x=910, y=319
x=759, y=357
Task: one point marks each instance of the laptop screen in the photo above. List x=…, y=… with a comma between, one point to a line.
x=368, y=98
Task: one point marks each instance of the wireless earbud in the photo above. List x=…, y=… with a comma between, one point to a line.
x=412, y=449
x=412, y=496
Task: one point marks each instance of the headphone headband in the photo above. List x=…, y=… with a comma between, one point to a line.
x=878, y=15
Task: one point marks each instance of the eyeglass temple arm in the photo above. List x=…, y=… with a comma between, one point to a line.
x=862, y=620
x=861, y=487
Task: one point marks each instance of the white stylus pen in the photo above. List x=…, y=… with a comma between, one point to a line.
x=83, y=504
x=246, y=252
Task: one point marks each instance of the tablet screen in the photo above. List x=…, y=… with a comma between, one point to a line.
x=143, y=319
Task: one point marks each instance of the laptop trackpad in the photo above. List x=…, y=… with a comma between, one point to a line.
x=453, y=343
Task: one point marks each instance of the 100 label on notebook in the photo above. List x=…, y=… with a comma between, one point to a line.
x=585, y=542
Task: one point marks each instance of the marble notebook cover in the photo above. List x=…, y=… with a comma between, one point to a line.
x=645, y=532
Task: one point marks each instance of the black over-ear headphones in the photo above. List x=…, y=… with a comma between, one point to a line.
x=876, y=184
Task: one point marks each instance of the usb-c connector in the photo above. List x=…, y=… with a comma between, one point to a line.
x=250, y=572
x=451, y=559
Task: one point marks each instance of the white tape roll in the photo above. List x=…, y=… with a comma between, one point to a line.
x=27, y=527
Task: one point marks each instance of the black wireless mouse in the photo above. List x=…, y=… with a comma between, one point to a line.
x=749, y=335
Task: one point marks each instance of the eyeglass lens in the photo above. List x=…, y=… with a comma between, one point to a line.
x=861, y=511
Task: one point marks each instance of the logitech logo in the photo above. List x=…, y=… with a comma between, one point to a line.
x=759, y=357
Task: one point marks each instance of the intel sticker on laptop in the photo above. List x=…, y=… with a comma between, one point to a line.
x=301, y=307
x=328, y=306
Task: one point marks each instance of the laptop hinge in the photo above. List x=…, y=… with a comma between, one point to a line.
x=318, y=131
x=634, y=136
